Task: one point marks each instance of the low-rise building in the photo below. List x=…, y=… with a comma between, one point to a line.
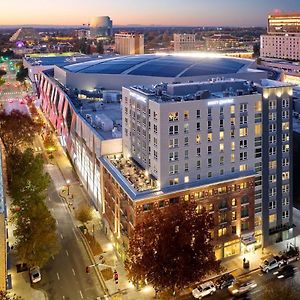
x=129, y=43
x=184, y=42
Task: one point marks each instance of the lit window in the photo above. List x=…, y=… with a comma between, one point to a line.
x=186, y=179
x=232, y=109
x=243, y=167
x=285, y=175
x=186, y=115
x=198, y=139
x=209, y=137
x=186, y=128
x=221, y=147
x=232, y=157
x=285, y=126
x=243, y=132
x=173, y=116
x=221, y=135
x=232, y=146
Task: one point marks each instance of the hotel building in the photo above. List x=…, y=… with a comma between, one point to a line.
x=184, y=42
x=129, y=43
x=283, y=38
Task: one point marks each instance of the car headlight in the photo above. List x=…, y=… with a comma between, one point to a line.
x=235, y=291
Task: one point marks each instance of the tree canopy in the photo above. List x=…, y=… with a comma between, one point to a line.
x=171, y=247
x=17, y=129
x=4, y=295
x=84, y=213
x=21, y=74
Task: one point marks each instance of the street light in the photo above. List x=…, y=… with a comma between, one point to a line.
x=68, y=186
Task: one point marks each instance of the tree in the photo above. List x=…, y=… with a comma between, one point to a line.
x=256, y=50
x=287, y=291
x=17, y=129
x=36, y=239
x=84, y=213
x=171, y=248
x=49, y=143
x=21, y=74
x=26, y=176
x=4, y=295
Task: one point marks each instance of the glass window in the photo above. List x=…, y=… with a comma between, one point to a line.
x=173, y=116
x=186, y=115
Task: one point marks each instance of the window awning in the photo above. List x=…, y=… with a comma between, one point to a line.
x=248, y=239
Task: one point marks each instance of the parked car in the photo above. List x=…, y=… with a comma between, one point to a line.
x=204, y=289
x=271, y=263
x=285, y=272
x=240, y=288
x=291, y=255
x=35, y=274
x=225, y=281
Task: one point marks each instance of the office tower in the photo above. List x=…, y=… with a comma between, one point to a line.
x=129, y=43
x=184, y=42
x=101, y=27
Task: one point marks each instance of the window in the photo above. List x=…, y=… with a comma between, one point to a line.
x=285, y=214
x=285, y=126
x=209, y=137
x=285, y=103
x=209, y=111
x=245, y=226
x=243, y=167
x=186, y=115
x=155, y=154
x=243, y=144
x=232, y=133
x=245, y=199
x=243, y=107
x=198, y=126
x=186, y=128
x=272, y=178
x=173, y=169
x=285, y=148
x=257, y=130
x=173, y=143
x=285, y=175
x=272, y=204
x=173, y=156
x=223, y=204
x=232, y=121
x=221, y=147
x=161, y=203
x=243, y=132
x=272, y=116
x=173, y=116
x=221, y=123
x=222, y=231
x=174, y=200
x=272, y=192
x=232, y=157
x=272, y=164
x=272, y=151
x=272, y=127
x=243, y=120
x=285, y=162
x=232, y=109
x=233, y=202
x=222, y=172
x=186, y=179
x=285, y=137
x=223, y=217
x=232, y=146
x=272, y=139
x=221, y=110
x=209, y=126
x=173, y=129
x=147, y=206
x=186, y=167
x=173, y=182
x=258, y=106
x=198, y=114
x=221, y=160
x=221, y=135
x=155, y=128
x=272, y=218
x=186, y=141
x=186, y=154
x=155, y=141
x=198, y=139
x=198, y=164
x=198, y=151
x=209, y=149
x=285, y=188
x=209, y=162
x=209, y=174
x=244, y=212
x=243, y=155
x=285, y=201
x=272, y=104
x=285, y=114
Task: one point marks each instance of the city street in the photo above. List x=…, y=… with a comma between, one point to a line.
x=64, y=277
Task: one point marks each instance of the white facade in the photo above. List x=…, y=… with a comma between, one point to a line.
x=280, y=46
x=129, y=43
x=184, y=42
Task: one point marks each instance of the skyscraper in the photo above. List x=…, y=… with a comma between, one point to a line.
x=101, y=27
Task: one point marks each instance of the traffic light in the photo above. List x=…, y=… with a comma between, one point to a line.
x=87, y=269
x=116, y=276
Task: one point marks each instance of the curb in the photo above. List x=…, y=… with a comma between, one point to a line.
x=248, y=273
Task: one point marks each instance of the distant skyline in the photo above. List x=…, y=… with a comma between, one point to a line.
x=144, y=12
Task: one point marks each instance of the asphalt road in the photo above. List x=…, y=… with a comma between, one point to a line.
x=264, y=281
x=64, y=276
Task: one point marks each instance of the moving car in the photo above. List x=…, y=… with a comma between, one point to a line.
x=271, y=263
x=225, y=281
x=285, y=272
x=240, y=288
x=35, y=274
x=291, y=255
x=204, y=289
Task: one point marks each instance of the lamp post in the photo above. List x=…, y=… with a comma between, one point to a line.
x=68, y=186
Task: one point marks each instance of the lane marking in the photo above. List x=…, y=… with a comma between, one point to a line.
x=64, y=297
x=67, y=252
x=61, y=236
x=52, y=257
x=81, y=294
x=73, y=271
x=75, y=234
x=57, y=276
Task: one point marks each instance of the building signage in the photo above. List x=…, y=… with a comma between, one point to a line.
x=220, y=102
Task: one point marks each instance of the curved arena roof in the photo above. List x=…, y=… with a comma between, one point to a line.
x=171, y=65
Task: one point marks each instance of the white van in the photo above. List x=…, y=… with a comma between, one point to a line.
x=204, y=289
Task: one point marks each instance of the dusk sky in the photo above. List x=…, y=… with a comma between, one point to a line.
x=159, y=12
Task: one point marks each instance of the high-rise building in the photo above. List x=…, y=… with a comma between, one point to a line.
x=184, y=42
x=225, y=144
x=129, y=43
x=101, y=27
x=283, y=38
x=219, y=42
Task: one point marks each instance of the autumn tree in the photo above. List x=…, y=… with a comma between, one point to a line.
x=17, y=129
x=26, y=176
x=84, y=213
x=36, y=239
x=4, y=295
x=171, y=248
